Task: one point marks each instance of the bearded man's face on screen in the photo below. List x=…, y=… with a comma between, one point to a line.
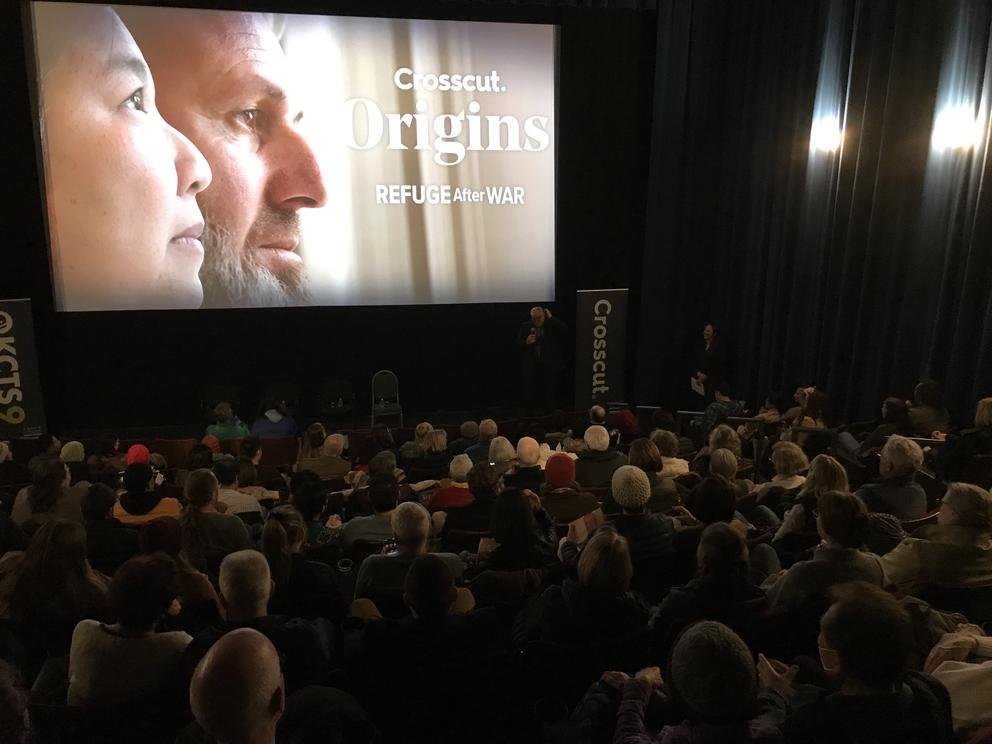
x=226, y=84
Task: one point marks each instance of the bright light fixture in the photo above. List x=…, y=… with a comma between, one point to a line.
x=957, y=128
x=826, y=134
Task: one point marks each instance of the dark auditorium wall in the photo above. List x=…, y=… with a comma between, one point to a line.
x=859, y=271
x=130, y=369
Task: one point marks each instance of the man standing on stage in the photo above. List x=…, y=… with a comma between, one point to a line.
x=541, y=340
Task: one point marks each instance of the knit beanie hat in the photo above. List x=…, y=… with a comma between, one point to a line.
x=631, y=489
x=72, y=452
x=212, y=442
x=559, y=471
x=137, y=453
x=713, y=673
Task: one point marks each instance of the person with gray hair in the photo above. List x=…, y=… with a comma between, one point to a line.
x=598, y=461
x=502, y=454
x=527, y=473
x=672, y=466
x=328, y=463
x=468, y=435
x=541, y=341
x=456, y=493
x=487, y=432
x=896, y=492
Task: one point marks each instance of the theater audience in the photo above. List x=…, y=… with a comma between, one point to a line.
x=527, y=473
x=48, y=447
x=127, y=662
x=648, y=534
x=468, y=435
x=303, y=588
x=598, y=461
x=955, y=552
x=274, y=421
x=234, y=501
x=561, y=497
x=896, y=492
x=959, y=450
x=717, y=411
x=228, y=425
x=416, y=447
x=484, y=485
x=502, y=455
x=251, y=450
x=927, y=413
x=895, y=420
x=200, y=456
x=326, y=461
x=644, y=454
x=434, y=460
x=108, y=542
x=310, y=499
x=969, y=683
x=312, y=443
x=789, y=462
x=383, y=494
x=207, y=534
x=824, y=474
x=381, y=440
x=48, y=497
x=724, y=463
x=479, y=452
x=457, y=493
x=141, y=501
x=864, y=643
x=140, y=453
x=842, y=522
x=523, y=531
x=73, y=455
x=672, y=466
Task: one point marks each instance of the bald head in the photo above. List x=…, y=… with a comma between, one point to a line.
x=334, y=445
x=528, y=451
x=237, y=691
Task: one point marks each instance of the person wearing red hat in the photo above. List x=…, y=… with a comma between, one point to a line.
x=138, y=453
x=212, y=442
x=561, y=497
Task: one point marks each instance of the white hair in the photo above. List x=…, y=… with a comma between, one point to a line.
x=245, y=581
x=411, y=522
x=904, y=455
x=333, y=445
x=528, y=451
x=597, y=438
x=500, y=450
x=458, y=470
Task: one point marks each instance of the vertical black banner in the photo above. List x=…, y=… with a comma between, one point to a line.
x=21, y=411
x=600, y=346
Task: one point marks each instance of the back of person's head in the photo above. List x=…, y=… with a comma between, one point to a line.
x=631, y=488
x=161, y=535
x=663, y=419
x=72, y=452
x=437, y=441
x=722, y=551
x=97, y=502
x=900, y=457
x=866, y=636
x=309, y=498
x=500, y=450
x=223, y=412
x=245, y=584
x=487, y=430
x=528, y=452
x=713, y=500
x=468, y=430
x=645, y=455
x=158, y=463
x=250, y=447
x=333, y=445
x=459, y=468
x=54, y=570
x=384, y=492
x=421, y=431
x=49, y=479
x=512, y=519
x=967, y=505
x=283, y=533
x=411, y=524
x=483, y=481
x=384, y=462
x=842, y=517
x=200, y=488
x=142, y=591
x=597, y=438
x=303, y=479
x=226, y=472
x=313, y=439
x=894, y=411
x=107, y=474
x=381, y=438
x=559, y=471
x=200, y=456
x=247, y=472
x=825, y=474
x=666, y=442
x=723, y=462
x=723, y=437
x=788, y=459
x=983, y=413
x=237, y=691
x=429, y=588
x=597, y=414
x=713, y=674
x=137, y=477
x=927, y=393
x=604, y=566
x=816, y=405
x=104, y=446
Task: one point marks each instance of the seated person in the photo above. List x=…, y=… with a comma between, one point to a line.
x=484, y=485
x=865, y=641
x=468, y=435
x=127, y=662
x=274, y=421
x=711, y=687
x=598, y=461
x=716, y=412
x=723, y=462
x=842, y=522
x=955, y=552
x=207, y=534
x=649, y=535
x=927, y=414
x=234, y=501
x=327, y=461
x=527, y=472
x=789, y=462
x=959, y=449
x=645, y=455
x=141, y=502
x=383, y=492
x=381, y=577
x=895, y=420
x=825, y=474
x=303, y=588
x=417, y=446
x=479, y=452
x=561, y=497
x=228, y=425
x=502, y=455
x=672, y=466
x=969, y=683
x=456, y=494
x=434, y=460
x=310, y=499
x=523, y=531
x=108, y=542
x=896, y=492
x=305, y=646
x=48, y=496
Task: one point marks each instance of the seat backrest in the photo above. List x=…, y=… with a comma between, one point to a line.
x=175, y=451
x=385, y=385
x=978, y=471
x=279, y=451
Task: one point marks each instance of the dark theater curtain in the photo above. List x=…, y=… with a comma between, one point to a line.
x=859, y=270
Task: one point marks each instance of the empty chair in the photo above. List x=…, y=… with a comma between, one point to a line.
x=336, y=400
x=386, y=395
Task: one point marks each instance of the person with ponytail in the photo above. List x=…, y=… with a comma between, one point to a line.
x=303, y=588
x=208, y=535
x=842, y=523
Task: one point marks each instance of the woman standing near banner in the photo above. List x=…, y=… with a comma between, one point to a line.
x=711, y=362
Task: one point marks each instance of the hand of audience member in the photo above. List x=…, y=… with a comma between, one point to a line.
x=683, y=515
x=614, y=679
x=951, y=647
x=776, y=675
x=940, y=436
x=333, y=522
x=651, y=675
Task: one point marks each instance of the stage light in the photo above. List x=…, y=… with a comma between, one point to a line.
x=957, y=128
x=826, y=134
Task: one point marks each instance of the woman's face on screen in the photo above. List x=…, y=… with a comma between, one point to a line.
x=121, y=182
